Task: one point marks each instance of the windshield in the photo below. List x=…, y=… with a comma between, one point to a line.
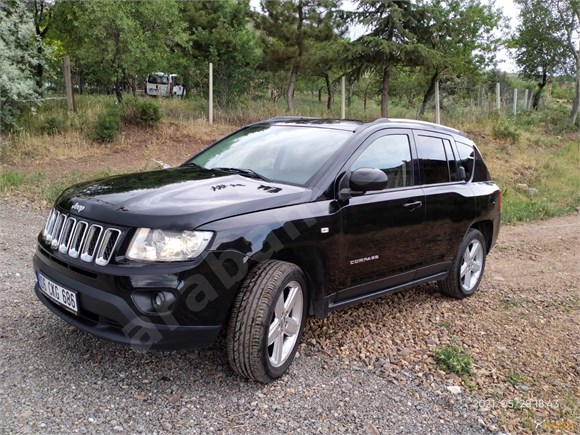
x=287, y=154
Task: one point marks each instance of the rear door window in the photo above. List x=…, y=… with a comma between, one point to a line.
x=432, y=159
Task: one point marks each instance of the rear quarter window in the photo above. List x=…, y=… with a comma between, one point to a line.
x=481, y=171
x=466, y=158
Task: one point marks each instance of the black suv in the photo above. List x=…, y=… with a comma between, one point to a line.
x=282, y=219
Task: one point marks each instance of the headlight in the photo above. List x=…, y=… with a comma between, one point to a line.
x=166, y=245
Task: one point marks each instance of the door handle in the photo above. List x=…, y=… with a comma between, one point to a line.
x=413, y=205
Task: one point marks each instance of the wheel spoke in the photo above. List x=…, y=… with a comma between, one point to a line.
x=279, y=309
x=274, y=332
x=474, y=251
x=292, y=327
x=466, y=255
x=464, y=268
x=476, y=267
x=278, y=349
x=467, y=281
x=290, y=301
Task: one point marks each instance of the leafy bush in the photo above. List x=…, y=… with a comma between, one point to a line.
x=52, y=125
x=453, y=358
x=107, y=127
x=505, y=129
x=143, y=112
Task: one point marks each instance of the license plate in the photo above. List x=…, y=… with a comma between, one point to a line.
x=60, y=295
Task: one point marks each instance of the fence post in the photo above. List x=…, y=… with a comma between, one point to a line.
x=1, y=143
x=211, y=93
x=70, y=99
x=437, y=104
x=515, y=102
x=343, y=98
x=498, y=96
x=525, y=99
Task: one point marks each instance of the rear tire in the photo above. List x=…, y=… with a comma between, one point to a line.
x=467, y=268
x=267, y=321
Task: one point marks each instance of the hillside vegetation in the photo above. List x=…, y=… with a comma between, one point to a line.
x=534, y=157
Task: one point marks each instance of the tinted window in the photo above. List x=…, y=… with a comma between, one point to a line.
x=481, y=172
x=433, y=160
x=451, y=159
x=392, y=155
x=288, y=154
x=466, y=157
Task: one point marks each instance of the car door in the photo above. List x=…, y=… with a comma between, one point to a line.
x=379, y=229
x=449, y=202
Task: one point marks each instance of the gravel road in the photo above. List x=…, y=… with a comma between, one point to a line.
x=55, y=379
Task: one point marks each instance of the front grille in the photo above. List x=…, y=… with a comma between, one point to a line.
x=77, y=238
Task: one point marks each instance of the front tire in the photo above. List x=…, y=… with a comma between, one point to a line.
x=267, y=321
x=467, y=268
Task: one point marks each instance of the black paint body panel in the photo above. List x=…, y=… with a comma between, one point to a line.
x=351, y=247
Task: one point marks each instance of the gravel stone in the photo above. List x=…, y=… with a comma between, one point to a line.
x=367, y=369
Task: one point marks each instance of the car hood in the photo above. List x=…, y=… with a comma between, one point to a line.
x=184, y=197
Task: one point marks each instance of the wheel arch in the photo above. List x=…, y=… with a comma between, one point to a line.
x=486, y=229
x=311, y=261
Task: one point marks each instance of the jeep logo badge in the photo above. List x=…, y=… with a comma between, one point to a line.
x=77, y=207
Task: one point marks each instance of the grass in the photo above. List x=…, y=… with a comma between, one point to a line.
x=36, y=185
x=515, y=378
x=539, y=149
x=508, y=303
x=11, y=180
x=453, y=358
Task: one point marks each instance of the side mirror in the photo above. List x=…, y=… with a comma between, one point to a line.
x=462, y=173
x=360, y=181
x=367, y=179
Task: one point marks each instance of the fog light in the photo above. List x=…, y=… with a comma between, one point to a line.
x=158, y=300
x=163, y=301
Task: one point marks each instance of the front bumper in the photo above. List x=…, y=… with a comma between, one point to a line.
x=108, y=307
x=125, y=327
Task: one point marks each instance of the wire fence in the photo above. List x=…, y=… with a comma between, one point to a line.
x=454, y=98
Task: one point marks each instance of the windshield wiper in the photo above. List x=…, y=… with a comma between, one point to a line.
x=245, y=172
x=193, y=164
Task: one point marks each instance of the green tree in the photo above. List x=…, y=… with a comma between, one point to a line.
x=540, y=43
x=462, y=33
x=290, y=29
x=568, y=12
x=219, y=33
x=390, y=43
x=18, y=59
x=118, y=41
x=42, y=12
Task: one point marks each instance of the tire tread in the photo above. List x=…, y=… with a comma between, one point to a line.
x=249, y=317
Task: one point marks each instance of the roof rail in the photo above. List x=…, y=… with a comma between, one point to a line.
x=418, y=122
x=287, y=118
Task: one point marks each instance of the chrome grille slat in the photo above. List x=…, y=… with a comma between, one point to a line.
x=57, y=231
x=110, y=238
x=78, y=238
x=93, y=237
x=67, y=235
x=51, y=224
